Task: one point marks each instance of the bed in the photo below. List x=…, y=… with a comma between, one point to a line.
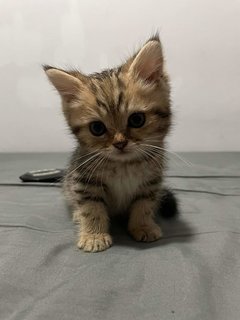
x=193, y=273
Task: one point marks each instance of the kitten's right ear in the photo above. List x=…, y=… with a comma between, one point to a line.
x=147, y=64
x=66, y=84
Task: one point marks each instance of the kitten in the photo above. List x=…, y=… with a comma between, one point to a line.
x=120, y=118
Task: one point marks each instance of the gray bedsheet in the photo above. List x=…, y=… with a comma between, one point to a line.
x=192, y=273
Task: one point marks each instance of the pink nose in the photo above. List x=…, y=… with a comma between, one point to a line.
x=120, y=145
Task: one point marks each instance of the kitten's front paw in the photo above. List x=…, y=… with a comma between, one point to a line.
x=94, y=242
x=146, y=233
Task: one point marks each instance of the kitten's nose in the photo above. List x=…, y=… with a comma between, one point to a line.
x=120, y=145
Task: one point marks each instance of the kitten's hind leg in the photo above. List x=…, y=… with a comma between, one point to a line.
x=94, y=225
x=141, y=225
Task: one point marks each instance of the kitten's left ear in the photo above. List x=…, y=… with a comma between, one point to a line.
x=68, y=85
x=148, y=63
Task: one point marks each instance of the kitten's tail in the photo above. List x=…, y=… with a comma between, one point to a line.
x=169, y=205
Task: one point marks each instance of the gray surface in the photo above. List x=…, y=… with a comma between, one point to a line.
x=193, y=273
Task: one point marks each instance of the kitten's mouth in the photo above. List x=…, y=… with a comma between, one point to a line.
x=123, y=155
x=119, y=152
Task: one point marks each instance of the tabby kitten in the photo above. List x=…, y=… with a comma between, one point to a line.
x=120, y=118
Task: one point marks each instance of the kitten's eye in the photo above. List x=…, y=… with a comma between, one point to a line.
x=136, y=120
x=97, y=128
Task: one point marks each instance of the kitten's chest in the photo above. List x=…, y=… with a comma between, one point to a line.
x=123, y=184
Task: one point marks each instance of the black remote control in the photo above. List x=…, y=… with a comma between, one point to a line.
x=45, y=175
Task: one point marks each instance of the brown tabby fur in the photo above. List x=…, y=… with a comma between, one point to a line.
x=126, y=181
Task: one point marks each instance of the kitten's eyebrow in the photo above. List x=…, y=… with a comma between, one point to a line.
x=120, y=100
x=102, y=104
x=163, y=114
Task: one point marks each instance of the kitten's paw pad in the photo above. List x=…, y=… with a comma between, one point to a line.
x=147, y=233
x=94, y=242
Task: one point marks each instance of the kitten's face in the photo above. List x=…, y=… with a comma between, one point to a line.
x=119, y=112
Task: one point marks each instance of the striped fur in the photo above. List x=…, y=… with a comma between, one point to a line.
x=101, y=179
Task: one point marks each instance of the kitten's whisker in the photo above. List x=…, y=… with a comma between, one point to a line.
x=101, y=170
x=84, y=156
x=152, y=140
x=170, y=152
x=82, y=163
x=140, y=156
x=156, y=152
x=151, y=156
x=163, y=156
x=87, y=170
x=98, y=174
x=101, y=180
x=158, y=137
x=94, y=169
x=158, y=156
x=153, y=137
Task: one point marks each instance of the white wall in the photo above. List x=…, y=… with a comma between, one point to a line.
x=202, y=45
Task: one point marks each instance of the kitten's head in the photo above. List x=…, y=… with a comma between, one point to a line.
x=118, y=112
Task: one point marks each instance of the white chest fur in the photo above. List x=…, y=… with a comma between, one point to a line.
x=124, y=182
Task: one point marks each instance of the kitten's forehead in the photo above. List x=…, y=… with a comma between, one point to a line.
x=117, y=95
x=108, y=88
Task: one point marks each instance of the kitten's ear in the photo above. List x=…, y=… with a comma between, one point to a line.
x=66, y=84
x=148, y=63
